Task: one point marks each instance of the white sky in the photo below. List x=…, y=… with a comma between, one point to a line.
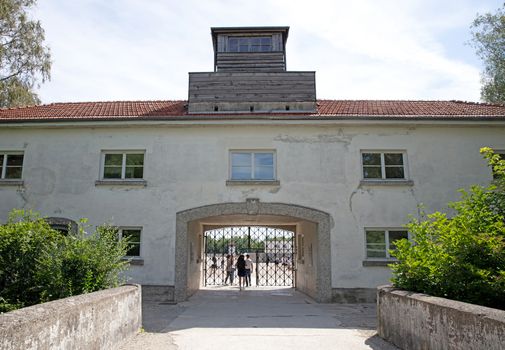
x=106, y=50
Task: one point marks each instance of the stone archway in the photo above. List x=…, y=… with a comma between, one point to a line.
x=252, y=208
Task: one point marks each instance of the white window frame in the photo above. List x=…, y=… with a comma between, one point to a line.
x=388, y=248
x=253, y=152
x=120, y=236
x=3, y=170
x=383, y=165
x=123, y=164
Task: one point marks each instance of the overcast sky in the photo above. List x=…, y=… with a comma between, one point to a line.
x=105, y=50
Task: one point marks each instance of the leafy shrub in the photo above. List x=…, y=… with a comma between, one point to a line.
x=39, y=264
x=23, y=239
x=460, y=257
x=82, y=264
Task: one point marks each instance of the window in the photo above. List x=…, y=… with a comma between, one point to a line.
x=11, y=165
x=378, y=165
x=133, y=237
x=252, y=166
x=250, y=44
x=380, y=242
x=123, y=165
x=63, y=225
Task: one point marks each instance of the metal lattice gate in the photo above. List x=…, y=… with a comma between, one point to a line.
x=271, y=250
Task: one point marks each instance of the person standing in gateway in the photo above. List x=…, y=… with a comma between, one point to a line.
x=230, y=269
x=241, y=271
x=248, y=270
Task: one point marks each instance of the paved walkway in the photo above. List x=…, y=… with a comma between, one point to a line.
x=257, y=318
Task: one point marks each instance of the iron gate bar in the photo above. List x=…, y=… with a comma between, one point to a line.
x=274, y=251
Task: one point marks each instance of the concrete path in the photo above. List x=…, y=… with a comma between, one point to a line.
x=257, y=318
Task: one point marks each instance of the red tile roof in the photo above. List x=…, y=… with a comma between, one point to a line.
x=326, y=109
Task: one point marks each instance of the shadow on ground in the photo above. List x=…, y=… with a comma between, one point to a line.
x=256, y=308
x=276, y=317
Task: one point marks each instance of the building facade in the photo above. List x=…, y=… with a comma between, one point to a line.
x=251, y=146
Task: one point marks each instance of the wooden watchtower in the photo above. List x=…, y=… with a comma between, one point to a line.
x=250, y=75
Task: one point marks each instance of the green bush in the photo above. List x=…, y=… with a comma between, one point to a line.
x=460, y=257
x=39, y=264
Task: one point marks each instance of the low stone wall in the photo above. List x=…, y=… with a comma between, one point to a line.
x=99, y=320
x=418, y=321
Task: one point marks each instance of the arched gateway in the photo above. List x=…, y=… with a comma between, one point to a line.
x=312, y=228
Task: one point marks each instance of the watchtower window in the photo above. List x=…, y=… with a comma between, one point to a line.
x=250, y=44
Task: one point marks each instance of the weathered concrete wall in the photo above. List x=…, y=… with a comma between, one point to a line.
x=418, y=321
x=194, y=255
x=99, y=320
x=186, y=166
x=354, y=295
x=306, y=268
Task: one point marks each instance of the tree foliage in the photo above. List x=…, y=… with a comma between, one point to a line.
x=488, y=38
x=24, y=59
x=460, y=257
x=39, y=264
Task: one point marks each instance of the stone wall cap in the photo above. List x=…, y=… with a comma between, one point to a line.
x=482, y=311
x=41, y=312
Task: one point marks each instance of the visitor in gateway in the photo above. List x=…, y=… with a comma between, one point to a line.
x=230, y=269
x=241, y=271
x=248, y=270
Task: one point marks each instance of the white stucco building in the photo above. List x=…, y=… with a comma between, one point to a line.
x=251, y=146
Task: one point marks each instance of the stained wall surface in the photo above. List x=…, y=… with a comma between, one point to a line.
x=187, y=166
x=99, y=320
x=437, y=323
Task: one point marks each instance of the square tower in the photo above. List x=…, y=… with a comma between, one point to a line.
x=250, y=75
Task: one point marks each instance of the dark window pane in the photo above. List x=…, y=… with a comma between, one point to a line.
x=112, y=173
x=266, y=41
x=371, y=158
x=241, y=159
x=375, y=237
x=134, y=172
x=138, y=173
x=396, y=236
x=134, y=159
x=232, y=45
x=13, y=172
x=370, y=172
x=393, y=158
x=232, y=48
x=375, y=253
x=132, y=235
x=395, y=173
x=133, y=250
x=14, y=160
x=263, y=173
x=1, y=161
x=243, y=48
x=263, y=159
x=375, y=244
x=255, y=41
x=241, y=173
x=114, y=159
